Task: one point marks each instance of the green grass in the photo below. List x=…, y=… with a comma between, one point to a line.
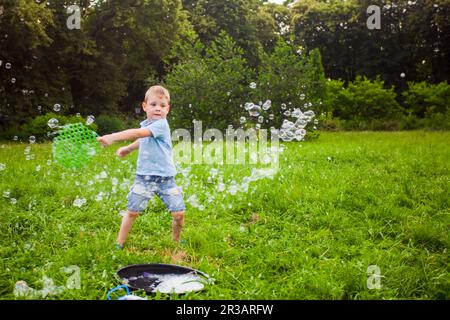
x=338, y=205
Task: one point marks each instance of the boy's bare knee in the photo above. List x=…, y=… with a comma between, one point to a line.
x=133, y=214
x=178, y=217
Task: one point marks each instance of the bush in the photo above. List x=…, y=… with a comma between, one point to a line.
x=364, y=100
x=437, y=121
x=424, y=99
x=39, y=128
x=209, y=84
x=107, y=124
x=333, y=90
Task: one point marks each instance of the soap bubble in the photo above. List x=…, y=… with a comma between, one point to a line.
x=79, y=202
x=8, y=65
x=233, y=189
x=287, y=125
x=99, y=197
x=402, y=75
x=213, y=172
x=283, y=106
x=32, y=139
x=90, y=120
x=252, y=85
x=310, y=113
x=271, y=116
x=15, y=138
x=53, y=123
x=302, y=96
x=286, y=135
x=221, y=187
x=267, y=105
x=300, y=134
x=242, y=120
x=57, y=107
x=254, y=110
x=297, y=113
x=2, y=166
x=300, y=123
x=248, y=105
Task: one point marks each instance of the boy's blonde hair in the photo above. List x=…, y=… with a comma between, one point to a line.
x=159, y=90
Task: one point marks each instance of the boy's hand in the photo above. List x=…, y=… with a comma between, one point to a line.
x=123, y=152
x=106, y=140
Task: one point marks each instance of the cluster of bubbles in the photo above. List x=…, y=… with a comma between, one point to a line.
x=218, y=188
x=7, y=195
x=296, y=130
x=23, y=290
x=289, y=130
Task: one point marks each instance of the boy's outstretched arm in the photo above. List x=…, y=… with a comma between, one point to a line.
x=124, y=151
x=130, y=134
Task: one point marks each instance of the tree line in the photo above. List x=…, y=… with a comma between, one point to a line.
x=208, y=52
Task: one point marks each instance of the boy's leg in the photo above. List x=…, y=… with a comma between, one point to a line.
x=125, y=227
x=177, y=224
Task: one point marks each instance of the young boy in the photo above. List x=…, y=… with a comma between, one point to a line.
x=155, y=168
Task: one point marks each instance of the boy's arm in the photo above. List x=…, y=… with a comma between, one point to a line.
x=133, y=146
x=130, y=134
x=124, y=151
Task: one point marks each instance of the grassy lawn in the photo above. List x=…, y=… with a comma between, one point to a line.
x=338, y=205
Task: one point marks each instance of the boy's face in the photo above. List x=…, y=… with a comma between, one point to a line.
x=156, y=107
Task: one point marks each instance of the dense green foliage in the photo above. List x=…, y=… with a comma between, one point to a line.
x=125, y=45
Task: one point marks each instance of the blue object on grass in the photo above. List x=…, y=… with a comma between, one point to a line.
x=128, y=296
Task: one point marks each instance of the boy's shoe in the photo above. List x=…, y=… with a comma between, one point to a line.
x=119, y=246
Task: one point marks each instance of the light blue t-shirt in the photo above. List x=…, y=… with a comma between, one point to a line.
x=155, y=152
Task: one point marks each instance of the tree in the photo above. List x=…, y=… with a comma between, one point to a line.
x=273, y=22
x=99, y=68
x=290, y=79
x=23, y=41
x=364, y=99
x=238, y=18
x=210, y=84
x=413, y=40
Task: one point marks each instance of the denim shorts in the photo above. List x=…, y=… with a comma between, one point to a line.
x=145, y=188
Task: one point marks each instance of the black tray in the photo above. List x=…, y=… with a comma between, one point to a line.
x=137, y=277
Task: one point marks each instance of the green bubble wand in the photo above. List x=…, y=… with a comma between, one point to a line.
x=75, y=145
